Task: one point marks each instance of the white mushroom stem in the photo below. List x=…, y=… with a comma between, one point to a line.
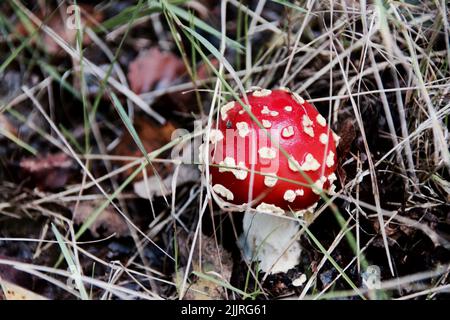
x=271, y=240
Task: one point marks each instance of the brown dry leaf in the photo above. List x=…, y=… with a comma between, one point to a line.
x=50, y=171
x=153, y=137
x=12, y=291
x=216, y=263
x=51, y=161
x=391, y=230
x=185, y=101
x=62, y=23
x=108, y=222
x=154, y=69
x=204, y=289
x=347, y=133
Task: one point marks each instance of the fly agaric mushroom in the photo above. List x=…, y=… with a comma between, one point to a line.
x=249, y=168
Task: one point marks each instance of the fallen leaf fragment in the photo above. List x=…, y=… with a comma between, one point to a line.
x=153, y=136
x=347, y=133
x=12, y=291
x=52, y=161
x=107, y=223
x=154, y=69
x=216, y=263
x=50, y=171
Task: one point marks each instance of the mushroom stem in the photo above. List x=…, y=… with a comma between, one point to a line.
x=271, y=240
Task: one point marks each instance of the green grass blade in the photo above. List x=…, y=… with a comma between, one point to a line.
x=127, y=121
x=186, y=16
x=18, y=141
x=333, y=262
x=290, y=5
x=222, y=284
x=70, y=263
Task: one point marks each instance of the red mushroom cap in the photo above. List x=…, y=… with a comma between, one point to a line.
x=239, y=145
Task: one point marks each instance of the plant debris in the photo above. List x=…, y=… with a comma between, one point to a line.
x=154, y=69
x=48, y=171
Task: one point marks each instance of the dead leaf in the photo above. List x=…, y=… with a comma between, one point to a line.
x=50, y=171
x=64, y=24
x=391, y=230
x=108, y=222
x=12, y=291
x=154, y=69
x=153, y=136
x=52, y=161
x=347, y=133
x=185, y=101
x=204, y=289
x=216, y=263
x=156, y=187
